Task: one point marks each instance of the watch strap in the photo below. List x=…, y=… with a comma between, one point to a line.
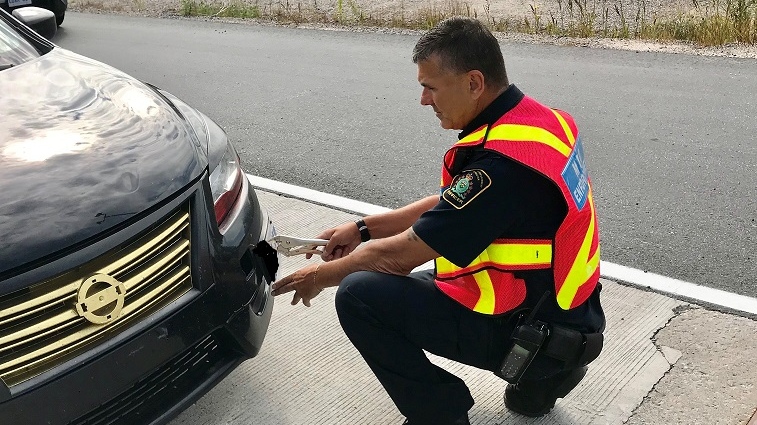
x=365, y=236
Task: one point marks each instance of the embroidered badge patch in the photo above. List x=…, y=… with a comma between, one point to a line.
x=466, y=187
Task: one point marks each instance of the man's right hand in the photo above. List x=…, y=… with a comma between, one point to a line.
x=342, y=239
x=345, y=238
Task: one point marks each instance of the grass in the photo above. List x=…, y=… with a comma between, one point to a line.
x=704, y=22
x=714, y=23
x=236, y=9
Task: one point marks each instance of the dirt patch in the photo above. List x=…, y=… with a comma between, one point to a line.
x=315, y=14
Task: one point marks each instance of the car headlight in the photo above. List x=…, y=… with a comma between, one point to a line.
x=226, y=178
x=226, y=183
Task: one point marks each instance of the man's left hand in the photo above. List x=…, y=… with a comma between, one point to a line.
x=306, y=284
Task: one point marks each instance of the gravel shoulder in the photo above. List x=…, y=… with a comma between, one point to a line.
x=395, y=9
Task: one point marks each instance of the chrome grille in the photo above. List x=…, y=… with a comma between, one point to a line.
x=40, y=327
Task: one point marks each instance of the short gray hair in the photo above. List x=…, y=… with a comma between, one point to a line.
x=464, y=44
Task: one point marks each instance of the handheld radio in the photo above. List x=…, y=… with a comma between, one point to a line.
x=527, y=339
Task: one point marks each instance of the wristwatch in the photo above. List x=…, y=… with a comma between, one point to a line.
x=365, y=236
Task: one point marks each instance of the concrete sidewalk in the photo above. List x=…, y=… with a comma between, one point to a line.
x=665, y=361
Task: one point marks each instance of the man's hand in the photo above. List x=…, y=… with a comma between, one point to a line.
x=345, y=238
x=306, y=284
x=342, y=239
x=397, y=255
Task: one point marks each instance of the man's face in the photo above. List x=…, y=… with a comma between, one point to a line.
x=448, y=93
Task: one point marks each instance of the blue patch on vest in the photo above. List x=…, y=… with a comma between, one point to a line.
x=575, y=176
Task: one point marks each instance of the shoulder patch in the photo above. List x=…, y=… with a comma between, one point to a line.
x=465, y=187
x=575, y=176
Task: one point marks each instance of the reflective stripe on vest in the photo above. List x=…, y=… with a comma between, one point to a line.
x=550, y=146
x=502, y=254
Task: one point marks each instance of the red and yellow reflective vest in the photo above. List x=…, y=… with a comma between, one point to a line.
x=546, y=140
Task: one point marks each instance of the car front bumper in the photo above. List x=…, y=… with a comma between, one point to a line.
x=153, y=370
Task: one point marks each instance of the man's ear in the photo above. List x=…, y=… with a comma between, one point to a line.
x=476, y=83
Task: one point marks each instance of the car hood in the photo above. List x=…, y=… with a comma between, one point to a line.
x=83, y=148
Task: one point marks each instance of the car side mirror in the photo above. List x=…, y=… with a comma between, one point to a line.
x=40, y=20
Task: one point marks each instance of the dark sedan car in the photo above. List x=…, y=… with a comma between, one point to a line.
x=58, y=7
x=134, y=272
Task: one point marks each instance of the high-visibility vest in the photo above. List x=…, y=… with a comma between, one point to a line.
x=547, y=141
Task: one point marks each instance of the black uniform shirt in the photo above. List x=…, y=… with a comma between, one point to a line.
x=503, y=199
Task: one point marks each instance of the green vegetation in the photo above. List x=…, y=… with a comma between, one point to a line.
x=706, y=22
x=237, y=9
x=714, y=23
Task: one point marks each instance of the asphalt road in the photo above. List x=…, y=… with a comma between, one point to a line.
x=669, y=139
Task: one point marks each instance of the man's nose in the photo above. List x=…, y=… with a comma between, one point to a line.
x=426, y=97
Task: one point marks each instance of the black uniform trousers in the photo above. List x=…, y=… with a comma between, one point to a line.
x=392, y=319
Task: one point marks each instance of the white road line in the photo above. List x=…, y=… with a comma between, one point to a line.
x=609, y=270
x=326, y=199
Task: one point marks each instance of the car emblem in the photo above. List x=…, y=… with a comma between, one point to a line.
x=100, y=299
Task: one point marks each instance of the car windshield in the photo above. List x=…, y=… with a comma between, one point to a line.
x=14, y=49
